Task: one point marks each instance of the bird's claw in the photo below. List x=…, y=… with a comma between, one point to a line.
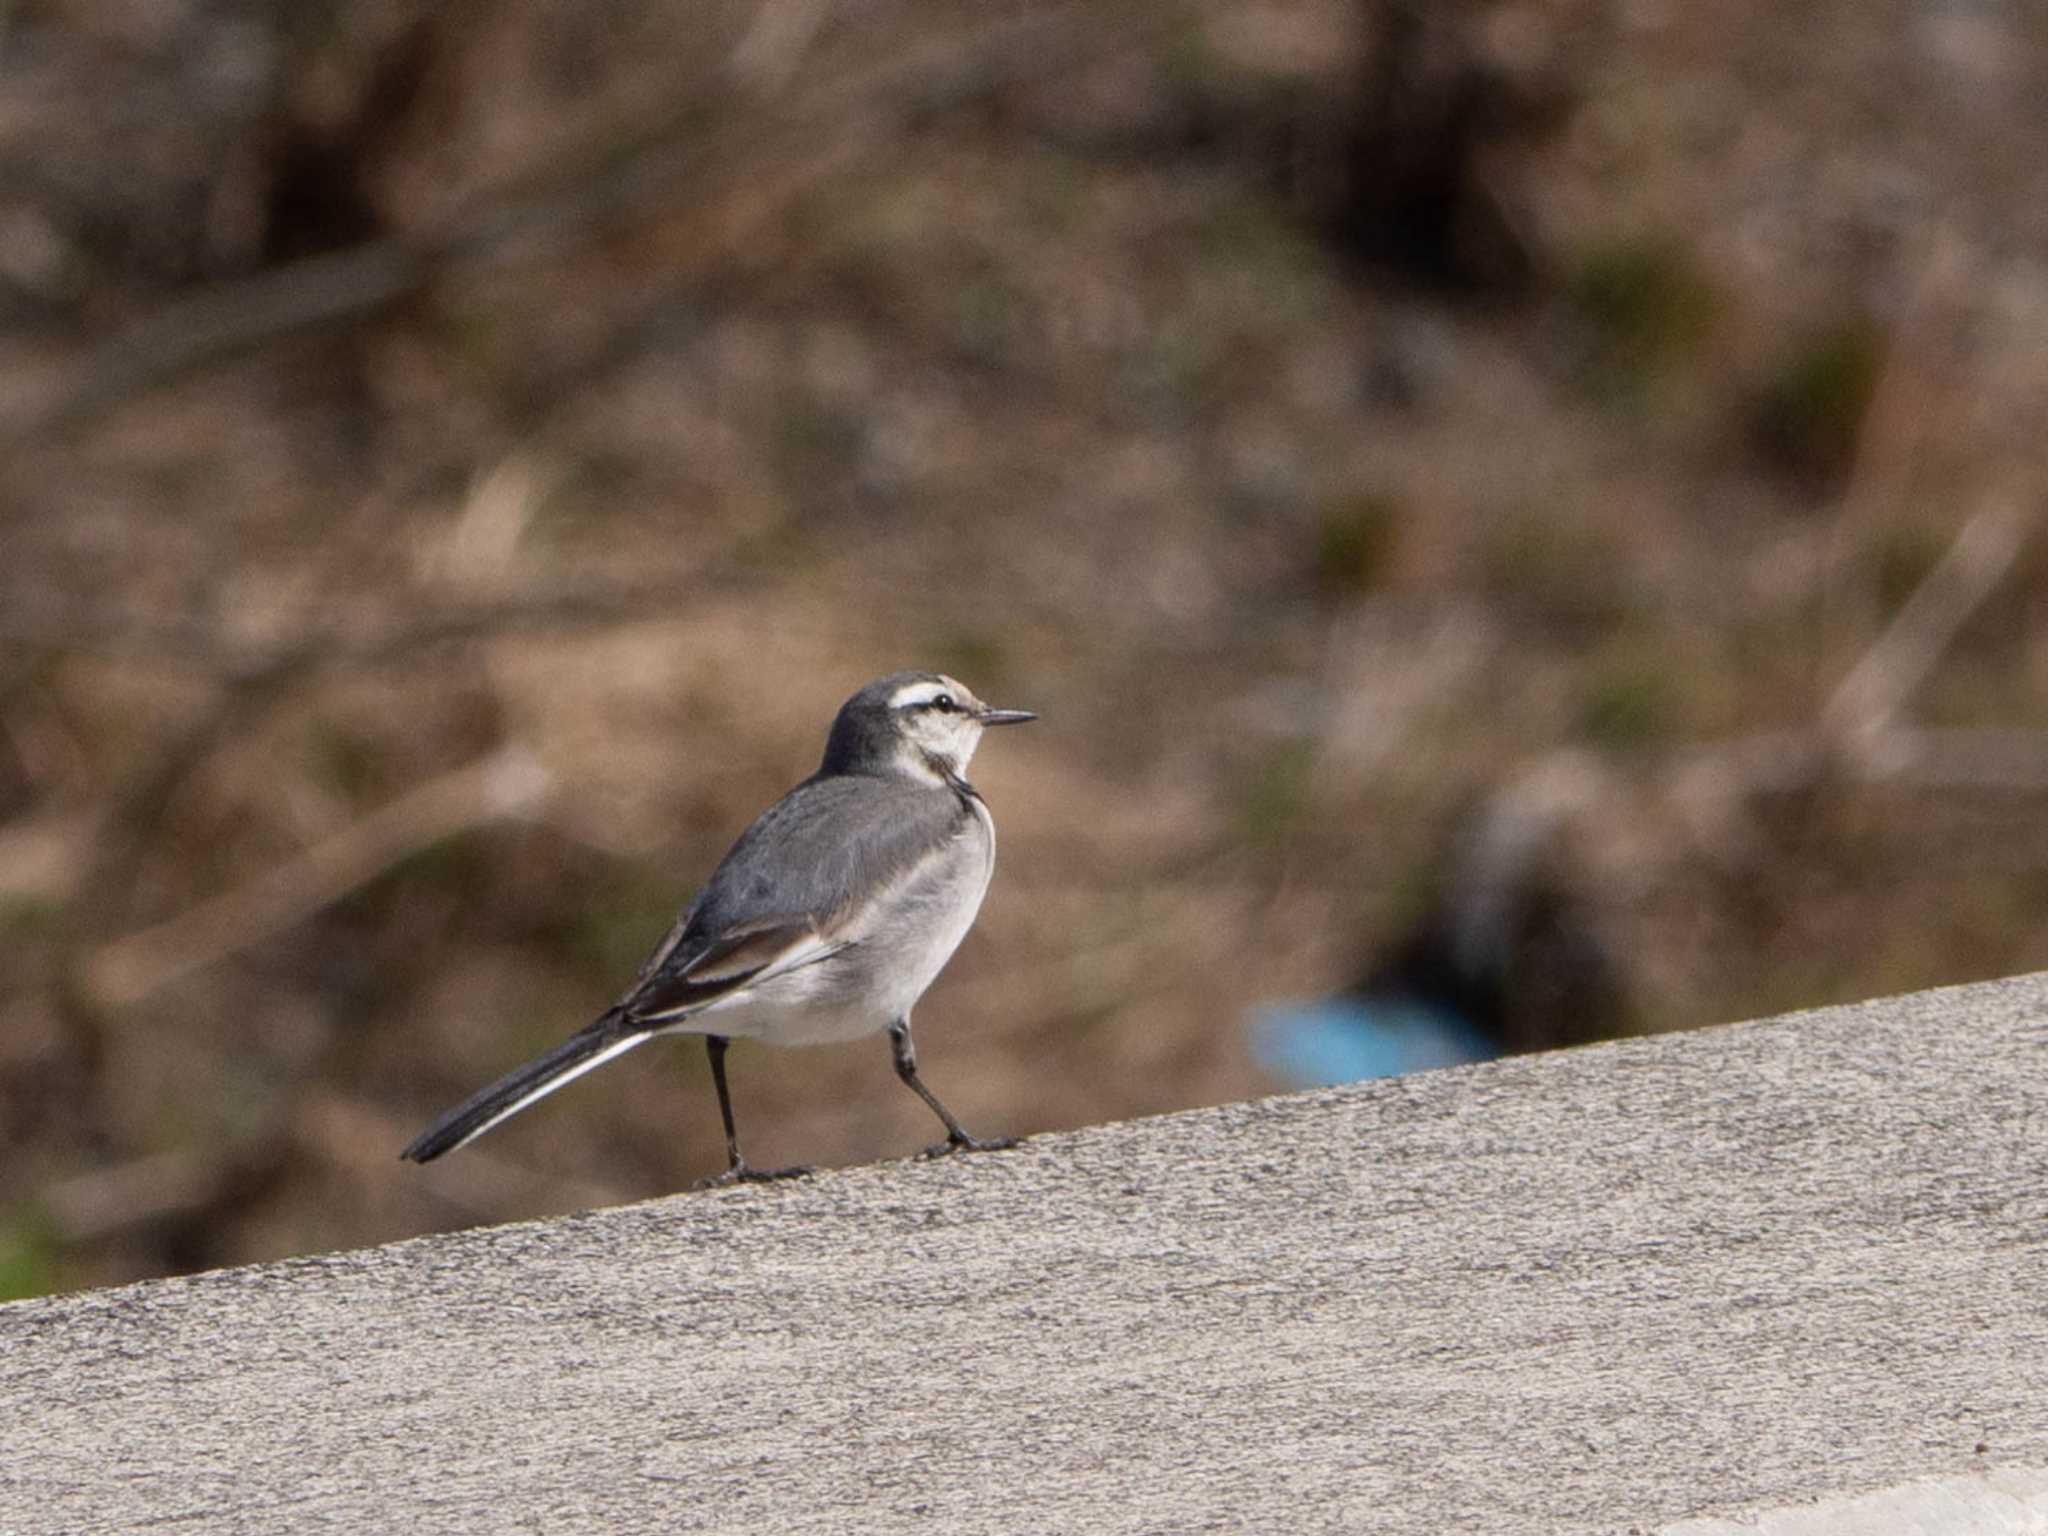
x=740, y=1173
x=954, y=1144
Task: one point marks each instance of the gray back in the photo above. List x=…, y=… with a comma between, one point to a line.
x=805, y=861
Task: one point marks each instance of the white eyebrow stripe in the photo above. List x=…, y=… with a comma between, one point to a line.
x=920, y=693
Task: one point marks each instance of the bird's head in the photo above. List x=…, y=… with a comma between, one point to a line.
x=924, y=725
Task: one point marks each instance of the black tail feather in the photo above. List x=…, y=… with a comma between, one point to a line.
x=608, y=1036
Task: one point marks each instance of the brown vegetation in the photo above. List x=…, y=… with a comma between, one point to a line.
x=456, y=460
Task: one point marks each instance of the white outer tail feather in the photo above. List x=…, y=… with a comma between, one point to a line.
x=616, y=1048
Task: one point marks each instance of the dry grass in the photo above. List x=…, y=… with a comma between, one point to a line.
x=854, y=347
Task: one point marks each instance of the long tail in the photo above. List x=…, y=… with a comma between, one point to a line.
x=609, y=1036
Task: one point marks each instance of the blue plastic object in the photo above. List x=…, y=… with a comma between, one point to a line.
x=1348, y=1039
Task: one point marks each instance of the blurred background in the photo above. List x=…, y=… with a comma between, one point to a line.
x=1517, y=517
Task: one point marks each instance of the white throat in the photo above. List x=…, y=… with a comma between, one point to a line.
x=925, y=766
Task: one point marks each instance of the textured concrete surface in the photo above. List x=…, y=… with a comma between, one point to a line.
x=2009, y=1502
x=1611, y=1289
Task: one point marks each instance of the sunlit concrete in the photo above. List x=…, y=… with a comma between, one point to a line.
x=1610, y=1289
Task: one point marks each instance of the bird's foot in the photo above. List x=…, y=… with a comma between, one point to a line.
x=964, y=1143
x=740, y=1173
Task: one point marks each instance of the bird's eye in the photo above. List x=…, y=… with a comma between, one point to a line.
x=945, y=703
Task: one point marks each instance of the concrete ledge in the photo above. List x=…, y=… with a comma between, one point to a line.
x=1609, y=1289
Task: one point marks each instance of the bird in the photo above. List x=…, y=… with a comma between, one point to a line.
x=826, y=921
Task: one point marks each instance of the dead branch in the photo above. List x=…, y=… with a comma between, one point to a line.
x=210, y=327
x=782, y=32
x=1858, y=733
x=89, y=1206
x=42, y=857
x=342, y=647
x=791, y=143
x=1864, y=709
x=257, y=682
x=362, y=1140
x=2004, y=761
x=509, y=782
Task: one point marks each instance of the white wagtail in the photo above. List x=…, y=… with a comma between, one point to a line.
x=826, y=921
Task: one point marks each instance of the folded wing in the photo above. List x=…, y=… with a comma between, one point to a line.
x=691, y=981
x=787, y=895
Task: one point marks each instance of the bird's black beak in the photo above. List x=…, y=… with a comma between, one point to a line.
x=1005, y=716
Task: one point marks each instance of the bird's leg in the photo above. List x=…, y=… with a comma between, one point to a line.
x=957, y=1139
x=737, y=1171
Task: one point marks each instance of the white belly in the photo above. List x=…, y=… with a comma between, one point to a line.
x=892, y=957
